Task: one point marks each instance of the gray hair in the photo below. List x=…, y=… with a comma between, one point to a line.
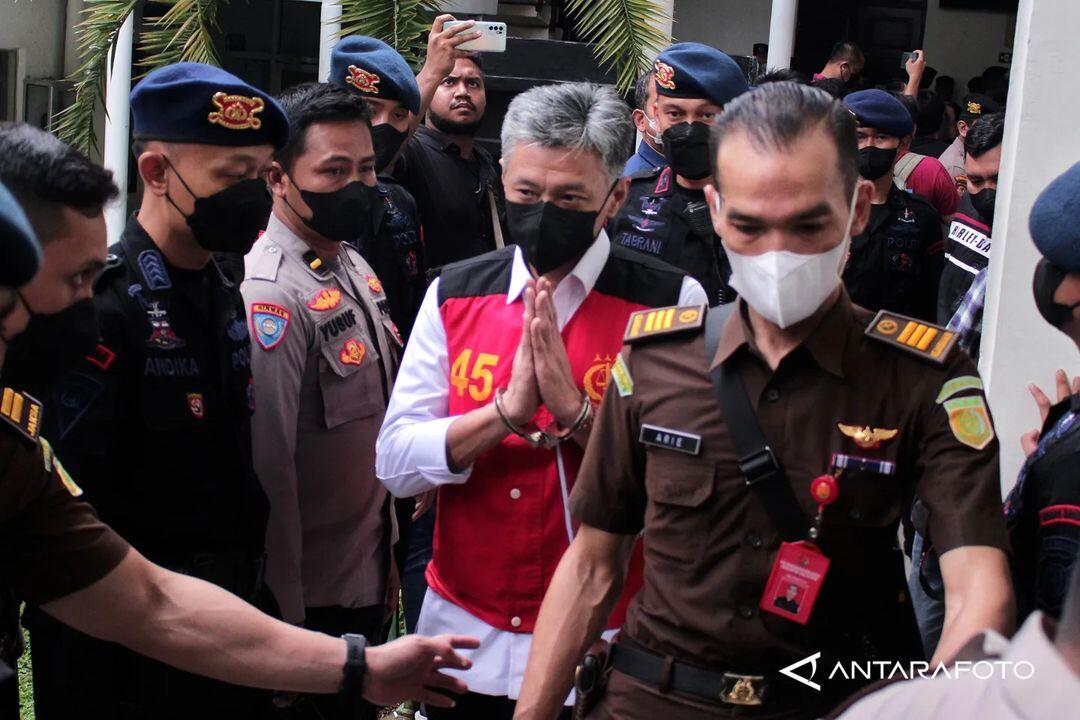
x=576, y=116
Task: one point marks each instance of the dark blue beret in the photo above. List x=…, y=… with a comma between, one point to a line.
x=1053, y=221
x=197, y=103
x=20, y=254
x=879, y=110
x=693, y=70
x=375, y=69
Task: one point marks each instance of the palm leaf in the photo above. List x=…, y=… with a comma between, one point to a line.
x=96, y=36
x=402, y=24
x=623, y=32
x=183, y=34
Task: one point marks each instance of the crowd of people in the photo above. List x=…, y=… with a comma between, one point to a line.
x=604, y=433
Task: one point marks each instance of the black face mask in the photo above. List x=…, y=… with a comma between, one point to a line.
x=343, y=215
x=984, y=202
x=387, y=141
x=1048, y=278
x=550, y=236
x=51, y=345
x=230, y=220
x=686, y=146
x=875, y=162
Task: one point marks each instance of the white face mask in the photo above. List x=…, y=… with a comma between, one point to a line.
x=655, y=135
x=785, y=287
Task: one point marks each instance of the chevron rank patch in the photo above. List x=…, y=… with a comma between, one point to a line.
x=663, y=321
x=21, y=411
x=929, y=342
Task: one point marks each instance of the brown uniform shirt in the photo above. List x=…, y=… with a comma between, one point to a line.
x=709, y=543
x=51, y=543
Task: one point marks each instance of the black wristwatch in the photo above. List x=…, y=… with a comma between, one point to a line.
x=355, y=666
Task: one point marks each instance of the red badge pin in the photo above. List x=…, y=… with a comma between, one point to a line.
x=374, y=284
x=196, y=406
x=824, y=489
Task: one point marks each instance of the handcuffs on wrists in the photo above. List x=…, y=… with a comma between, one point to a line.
x=543, y=438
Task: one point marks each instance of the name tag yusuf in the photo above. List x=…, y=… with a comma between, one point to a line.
x=670, y=439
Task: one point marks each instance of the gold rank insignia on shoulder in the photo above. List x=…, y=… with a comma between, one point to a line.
x=930, y=342
x=236, y=112
x=663, y=321
x=22, y=412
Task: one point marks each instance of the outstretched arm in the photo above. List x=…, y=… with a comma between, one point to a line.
x=200, y=628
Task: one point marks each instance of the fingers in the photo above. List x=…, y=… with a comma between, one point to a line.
x=1041, y=400
x=443, y=682
x=1076, y=385
x=460, y=642
x=1061, y=380
x=455, y=32
x=435, y=699
x=1029, y=441
x=437, y=26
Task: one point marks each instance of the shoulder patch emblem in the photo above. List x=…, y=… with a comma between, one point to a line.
x=21, y=411
x=325, y=299
x=268, y=324
x=969, y=421
x=620, y=373
x=929, y=342
x=352, y=352
x=665, y=75
x=959, y=385
x=153, y=269
x=663, y=321
x=236, y=112
x=363, y=80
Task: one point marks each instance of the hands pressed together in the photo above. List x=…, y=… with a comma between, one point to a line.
x=541, y=372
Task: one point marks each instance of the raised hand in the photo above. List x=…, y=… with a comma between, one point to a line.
x=522, y=395
x=443, y=42
x=1030, y=440
x=553, y=374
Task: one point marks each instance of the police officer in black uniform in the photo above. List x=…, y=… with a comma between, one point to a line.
x=665, y=213
x=895, y=264
x=1043, y=509
x=395, y=249
x=156, y=421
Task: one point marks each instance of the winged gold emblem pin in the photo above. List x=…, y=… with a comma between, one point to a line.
x=867, y=437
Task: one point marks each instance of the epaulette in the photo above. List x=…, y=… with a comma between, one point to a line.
x=648, y=324
x=316, y=264
x=22, y=412
x=264, y=265
x=643, y=174
x=929, y=342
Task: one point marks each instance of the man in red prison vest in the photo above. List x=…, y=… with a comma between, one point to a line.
x=509, y=356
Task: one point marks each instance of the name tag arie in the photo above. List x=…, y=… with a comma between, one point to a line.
x=670, y=439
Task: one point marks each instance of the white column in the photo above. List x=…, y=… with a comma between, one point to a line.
x=782, y=33
x=1041, y=142
x=667, y=7
x=329, y=27
x=118, y=125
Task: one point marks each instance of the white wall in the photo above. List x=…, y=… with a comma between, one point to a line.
x=37, y=30
x=730, y=25
x=963, y=43
x=1041, y=142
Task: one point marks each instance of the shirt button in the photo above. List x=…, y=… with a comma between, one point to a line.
x=515, y=494
x=515, y=621
x=753, y=541
x=772, y=395
x=271, y=249
x=745, y=612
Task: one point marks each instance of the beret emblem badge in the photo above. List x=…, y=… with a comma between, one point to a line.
x=363, y=80
x=236, y=112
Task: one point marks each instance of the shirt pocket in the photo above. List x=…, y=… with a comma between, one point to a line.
x=678, y=489
x=866, y=499
x=349, y=379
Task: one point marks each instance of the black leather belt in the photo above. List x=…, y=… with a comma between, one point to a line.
x=668, y=674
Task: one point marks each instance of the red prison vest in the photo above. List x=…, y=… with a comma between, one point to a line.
x=499, y=536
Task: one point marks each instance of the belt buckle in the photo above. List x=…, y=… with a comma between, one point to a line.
x=742, y=689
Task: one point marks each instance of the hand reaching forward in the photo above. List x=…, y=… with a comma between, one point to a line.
x=408, y=669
